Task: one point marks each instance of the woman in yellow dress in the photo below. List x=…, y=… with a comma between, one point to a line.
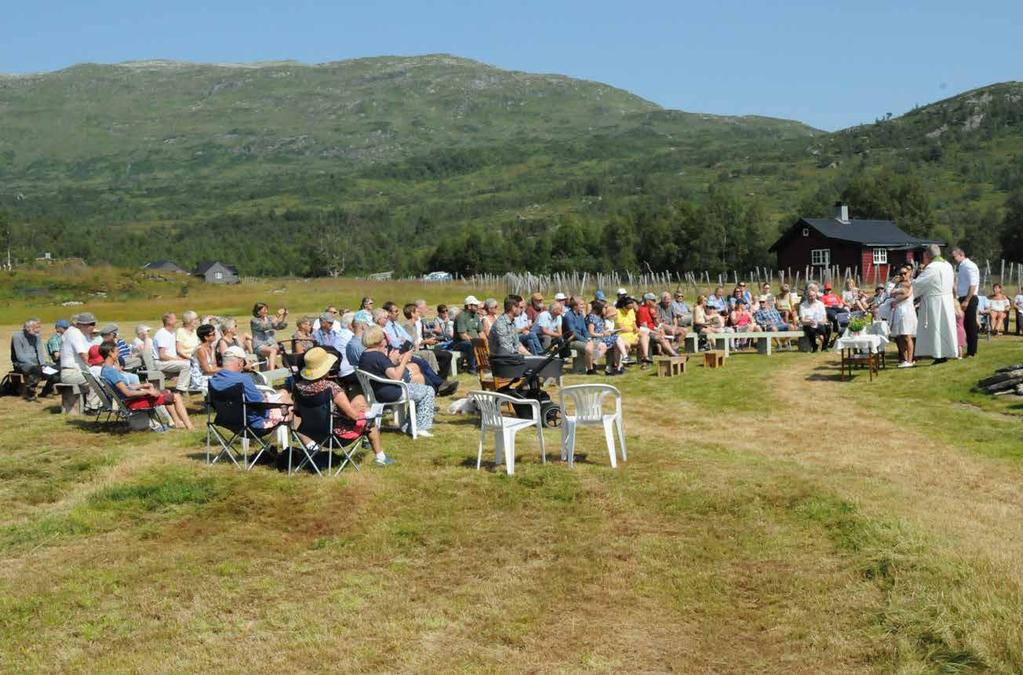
x=626, y=322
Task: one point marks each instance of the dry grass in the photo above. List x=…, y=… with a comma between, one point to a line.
x=733, y=540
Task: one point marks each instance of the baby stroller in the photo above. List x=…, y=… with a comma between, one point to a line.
x=527, y=382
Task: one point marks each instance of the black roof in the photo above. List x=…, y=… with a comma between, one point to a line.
x=873, y=233
x=156, y=264
x=205, y=266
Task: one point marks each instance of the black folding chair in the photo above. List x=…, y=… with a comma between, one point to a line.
x=228, y=410
x=317, y=414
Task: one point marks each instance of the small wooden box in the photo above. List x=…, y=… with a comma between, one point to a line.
x=670, y=366
x=715, y=358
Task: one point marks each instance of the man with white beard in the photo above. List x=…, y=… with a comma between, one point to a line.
x=936, y=326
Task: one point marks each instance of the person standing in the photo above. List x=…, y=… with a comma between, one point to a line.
x=967, y=285
x=903, y=325
x=936, y=326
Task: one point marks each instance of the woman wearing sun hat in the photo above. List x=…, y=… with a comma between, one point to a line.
x=352, y=421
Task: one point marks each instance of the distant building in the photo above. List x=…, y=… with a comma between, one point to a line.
x=870, y=247
x=164, y=266
x=216, y=273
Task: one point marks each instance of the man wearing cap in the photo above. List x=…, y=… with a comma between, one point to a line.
x=74, y=349
x=467, y=328
x=53, y=344
x=836, y=309
x=166, y=346
x=28, y=357
x=231, y=374
x=335, y=325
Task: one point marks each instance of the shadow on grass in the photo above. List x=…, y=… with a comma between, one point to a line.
x=279, y=460
x=490, y=465
x=94, y=426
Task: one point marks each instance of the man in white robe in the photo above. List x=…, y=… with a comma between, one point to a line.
x=936, y=327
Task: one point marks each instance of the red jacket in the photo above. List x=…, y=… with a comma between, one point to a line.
x=646, y=317
x=831, y=299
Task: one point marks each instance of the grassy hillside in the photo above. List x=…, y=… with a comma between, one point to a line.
x=396, y=160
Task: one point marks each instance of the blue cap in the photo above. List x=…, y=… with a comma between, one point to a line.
x=599, y=295
x=62, y=323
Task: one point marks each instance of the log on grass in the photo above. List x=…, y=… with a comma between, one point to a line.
x=1005, y=385
x=1001, y=377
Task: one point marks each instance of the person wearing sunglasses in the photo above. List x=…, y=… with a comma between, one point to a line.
x=903, y=324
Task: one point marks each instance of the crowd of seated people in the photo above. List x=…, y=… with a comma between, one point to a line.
x=418, y=344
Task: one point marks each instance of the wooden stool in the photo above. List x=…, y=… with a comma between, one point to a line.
x=670, y=366
x=715, y=358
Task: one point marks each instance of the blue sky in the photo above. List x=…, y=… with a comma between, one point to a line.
x=830, y=64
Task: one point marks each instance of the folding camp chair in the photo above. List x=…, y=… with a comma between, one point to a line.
x=114, y=405
x=228, y=410
x=318, y=414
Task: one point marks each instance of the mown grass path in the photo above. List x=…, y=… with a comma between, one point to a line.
x=769, y=518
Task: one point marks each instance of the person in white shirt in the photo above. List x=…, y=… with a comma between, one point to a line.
x=167, y=359
x=1017, y=302
x=814, y=319
x=334, y=327
x=74, y=352
x=967, y=285
x=936, y=320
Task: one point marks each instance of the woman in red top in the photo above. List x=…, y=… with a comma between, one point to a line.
x=649, y=328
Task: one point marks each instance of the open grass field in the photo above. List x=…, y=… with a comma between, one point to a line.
x=769, y=518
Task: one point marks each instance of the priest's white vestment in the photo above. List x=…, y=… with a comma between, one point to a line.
x=936, y=326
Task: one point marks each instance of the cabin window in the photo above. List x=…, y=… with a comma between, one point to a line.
x=218, y=275
x=880, y=256
x=821, y=257
x=806, y=231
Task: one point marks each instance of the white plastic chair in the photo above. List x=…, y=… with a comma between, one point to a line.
x=404, y=408
x=588, y=402
x=505, y=428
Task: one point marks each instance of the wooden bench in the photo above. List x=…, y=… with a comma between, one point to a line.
x=714, y=358
x=670, y=366
x=765, y=340
x=72, y=398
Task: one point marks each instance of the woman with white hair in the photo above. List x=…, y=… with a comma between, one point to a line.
x=185, y=336
x=490, y=314
x=814, y=318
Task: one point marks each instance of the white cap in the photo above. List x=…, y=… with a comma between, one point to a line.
x=235, y=352
x=471, y=300
x=560, y=296
x=622, y=291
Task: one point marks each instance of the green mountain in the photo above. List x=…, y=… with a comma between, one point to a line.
x=409, y=163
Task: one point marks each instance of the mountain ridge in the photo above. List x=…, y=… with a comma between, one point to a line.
x=433, y=145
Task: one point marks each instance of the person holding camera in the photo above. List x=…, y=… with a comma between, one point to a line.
x=264, y=344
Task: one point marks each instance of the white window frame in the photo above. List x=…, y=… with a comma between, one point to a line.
x=218, y=275
x=820, y=257
x=880, y=256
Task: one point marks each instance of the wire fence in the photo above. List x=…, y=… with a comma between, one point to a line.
x=1006, y=273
